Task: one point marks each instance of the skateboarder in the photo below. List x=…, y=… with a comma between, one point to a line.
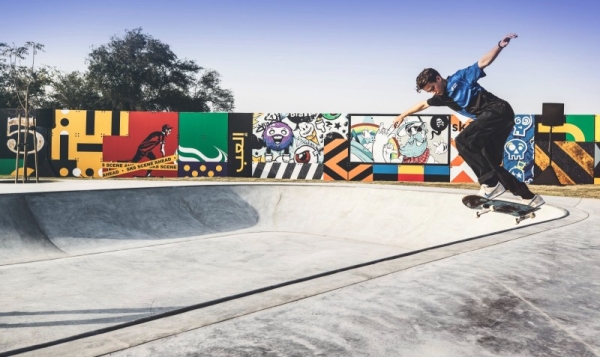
x=481, y=143
x=145, y=149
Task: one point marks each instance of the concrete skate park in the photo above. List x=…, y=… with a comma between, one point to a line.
x=190, y=268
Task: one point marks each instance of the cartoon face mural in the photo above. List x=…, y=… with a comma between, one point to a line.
x=416, y=144
x=294, y=137
x=375, y=140
x=278, y=136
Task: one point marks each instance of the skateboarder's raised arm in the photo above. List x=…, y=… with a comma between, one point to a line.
x=415, y=109
x=489, y=57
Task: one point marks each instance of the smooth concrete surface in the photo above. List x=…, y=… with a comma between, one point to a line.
x=376, y=270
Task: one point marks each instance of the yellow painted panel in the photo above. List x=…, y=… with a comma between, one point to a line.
x=411, y=169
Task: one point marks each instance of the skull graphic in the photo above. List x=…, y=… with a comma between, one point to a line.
x=516, y=149
x=522, y=123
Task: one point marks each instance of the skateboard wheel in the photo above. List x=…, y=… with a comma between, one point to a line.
x=532, y=215
x=517, y=221
x=493, y=208
x=477, y=215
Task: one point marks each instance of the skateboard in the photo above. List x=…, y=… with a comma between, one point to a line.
x=483, y=205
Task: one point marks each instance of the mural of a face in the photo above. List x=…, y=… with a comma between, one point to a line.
x=278, y=136
x=417, y=139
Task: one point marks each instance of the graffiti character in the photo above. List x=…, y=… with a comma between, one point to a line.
x=145, y=149
x=415, y=150
x=308, y=131
x=278, y=136
x=306, y=155
x=522, y=124
x=440, y=148
x=515, y=149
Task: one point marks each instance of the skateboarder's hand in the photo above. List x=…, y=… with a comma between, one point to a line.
x=504, y=42
x=397, y=122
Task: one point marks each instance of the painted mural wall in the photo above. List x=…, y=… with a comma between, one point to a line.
x=308, y=146
x=571, y=149
x=520, y=148
x=18, y=135
x=418, y=150
x=291, y=145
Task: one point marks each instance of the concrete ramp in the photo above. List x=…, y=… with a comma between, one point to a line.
x=48, y=225
x=38, y=225
x=21, y=238
x=75, y=263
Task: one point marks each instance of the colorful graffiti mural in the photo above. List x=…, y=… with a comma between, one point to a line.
x=308, y=146
x=203, y=144
x=148, y=150
x=520, y=148
x=291, y=145
x=421, y=139
x=19, y=135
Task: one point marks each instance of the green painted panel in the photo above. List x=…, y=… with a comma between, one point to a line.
x=7, y=166
x=585, y=125
x=203, y=137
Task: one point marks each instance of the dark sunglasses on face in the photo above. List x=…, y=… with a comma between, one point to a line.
x=414, y=129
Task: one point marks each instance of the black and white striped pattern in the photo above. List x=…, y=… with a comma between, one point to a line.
x=287, y=171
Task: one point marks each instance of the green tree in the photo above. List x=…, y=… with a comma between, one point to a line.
x=139, y=72
x=23, y=89
x=74, y=91
x=22, y=86
x=207, y=89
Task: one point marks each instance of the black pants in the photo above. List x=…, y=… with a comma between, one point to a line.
x=481, y=145
x=140, y=154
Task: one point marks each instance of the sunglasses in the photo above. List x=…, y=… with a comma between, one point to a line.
x=414, y=129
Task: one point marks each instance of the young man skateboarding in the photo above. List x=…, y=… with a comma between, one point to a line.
x=481, y=143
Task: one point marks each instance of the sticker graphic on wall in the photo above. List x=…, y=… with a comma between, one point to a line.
x=421, y=139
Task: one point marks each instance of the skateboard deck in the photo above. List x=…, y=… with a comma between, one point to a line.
x=520, y=211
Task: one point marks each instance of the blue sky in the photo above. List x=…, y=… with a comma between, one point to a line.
x=334, y=56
